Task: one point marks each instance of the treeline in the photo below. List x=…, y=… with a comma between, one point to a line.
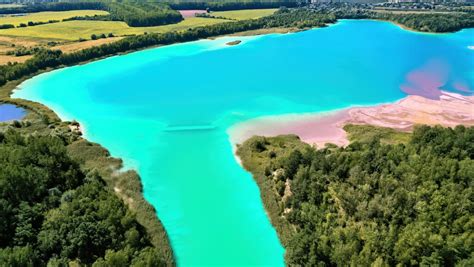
x=231, y=5
x=6, y=26
x=425, y=22
x=446, y=22
x=54, y=58
x=52, y=213
x=134, y=13
x=370, y=204
x=24, y=51
x=54, y=6
x=33, y=23
x=143, y=14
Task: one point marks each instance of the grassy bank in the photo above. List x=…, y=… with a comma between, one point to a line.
x=40, y=110
x=366, y=133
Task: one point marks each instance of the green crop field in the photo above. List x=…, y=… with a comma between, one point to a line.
x=73, y=30
x=46, y=16
x=244, y=14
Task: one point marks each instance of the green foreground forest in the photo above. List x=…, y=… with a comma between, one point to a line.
x=63, y=202
x=386, y=200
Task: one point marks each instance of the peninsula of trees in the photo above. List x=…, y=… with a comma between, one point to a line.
x=371, y=203
x=62, y=202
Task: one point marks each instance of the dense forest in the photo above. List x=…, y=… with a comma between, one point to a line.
x=54, y=213
x=53, y=6
x=54, y=58
x=450, y=22
x=134, y=13
x=143, y=14
x=424, y=22
x=229, y=5
x=408, y=203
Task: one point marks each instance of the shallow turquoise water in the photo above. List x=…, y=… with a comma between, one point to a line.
x=165, y=111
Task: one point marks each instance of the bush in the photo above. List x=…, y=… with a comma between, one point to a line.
x=6, y=26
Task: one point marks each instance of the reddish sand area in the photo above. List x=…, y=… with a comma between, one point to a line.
x=191, y=13
x=447, y=109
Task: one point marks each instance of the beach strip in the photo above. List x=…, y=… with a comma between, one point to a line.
x=449, y=110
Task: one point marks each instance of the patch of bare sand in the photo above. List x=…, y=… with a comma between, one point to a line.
x=4, y=59
x=76, y=46
x=22, y=41
x=450, y=110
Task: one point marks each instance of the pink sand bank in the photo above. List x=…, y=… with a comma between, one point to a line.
x=191, y=13
x=449, y=109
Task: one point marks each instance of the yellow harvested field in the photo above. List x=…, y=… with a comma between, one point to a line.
x=21, y=41
x=5, y=48
x=73, y=30
x=244, y=14
x=76, y=46
x=4, y=59
x=46, y=16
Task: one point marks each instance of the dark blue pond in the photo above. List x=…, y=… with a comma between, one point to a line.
x=9, y=112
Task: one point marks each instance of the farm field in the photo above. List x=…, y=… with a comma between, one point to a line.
x=9, y=5
x=76, y=46
x=244, y=14
x=4, y=59
x=10, y=43
x=7, y=41
x=46, y=16
x=67, y=34
x=74, y=30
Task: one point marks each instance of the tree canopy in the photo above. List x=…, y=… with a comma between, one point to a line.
x=53, y=213
x=371, y=203
x=134, y=13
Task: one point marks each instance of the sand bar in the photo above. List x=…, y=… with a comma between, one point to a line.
x=448, y=110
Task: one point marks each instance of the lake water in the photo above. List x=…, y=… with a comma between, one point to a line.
x=166, y=111
x=9, y=112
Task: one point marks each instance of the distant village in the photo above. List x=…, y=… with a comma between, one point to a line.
x=401, y=5
x=385, y=2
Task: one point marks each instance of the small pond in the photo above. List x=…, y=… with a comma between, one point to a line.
x=9, y=112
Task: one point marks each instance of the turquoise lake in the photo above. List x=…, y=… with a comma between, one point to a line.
x=166, y=112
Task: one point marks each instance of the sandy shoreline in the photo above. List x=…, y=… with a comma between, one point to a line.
x=449, y=110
